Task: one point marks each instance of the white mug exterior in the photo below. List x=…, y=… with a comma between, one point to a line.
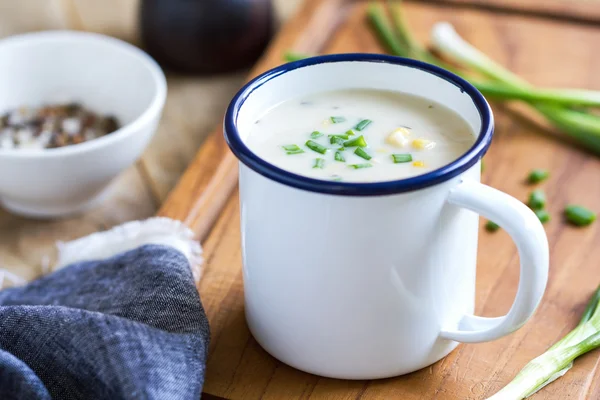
x=108, y=76
x=365, y=281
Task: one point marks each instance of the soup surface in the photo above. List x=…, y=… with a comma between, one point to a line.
x=360, y=135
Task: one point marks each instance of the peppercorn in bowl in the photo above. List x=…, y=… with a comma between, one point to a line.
x=76, y=109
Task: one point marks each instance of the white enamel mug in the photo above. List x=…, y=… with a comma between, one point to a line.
x=372, y=280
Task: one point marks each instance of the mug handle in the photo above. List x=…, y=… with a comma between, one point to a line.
x=528, y=234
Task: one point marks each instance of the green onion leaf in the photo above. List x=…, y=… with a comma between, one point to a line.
x=537, y=175
x=362, y=124
x=319, y=163
x=358, y=142
x=579, y=215
x=361, y=153
x=314, y=146
x=360, y=166
x=292, y=149
x=491, y=226
x=337, y=120
x=401, y=158
x=542, y=215
x=316, y=134
x=339, y=157
x=350, y=132
x=537, y=200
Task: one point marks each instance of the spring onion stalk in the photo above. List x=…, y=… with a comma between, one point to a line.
x=401, y=158
x=384, y=30
x=292, y=149
x=578, y=215
x=538, y=175
x=314, y=146
x=360, y=166
x=362, y=154
x=358, y=142
x=558, y=359
x=537, y=200
x=339, y=156
x=362, y=125
x=582, y=126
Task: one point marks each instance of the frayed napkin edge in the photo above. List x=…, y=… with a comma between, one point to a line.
x=131, y=235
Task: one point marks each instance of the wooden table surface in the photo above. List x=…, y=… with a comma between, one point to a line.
x=193, y=108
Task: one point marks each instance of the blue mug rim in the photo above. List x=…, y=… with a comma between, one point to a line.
x=270, y=171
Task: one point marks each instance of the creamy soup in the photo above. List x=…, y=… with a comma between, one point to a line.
x=360, y=135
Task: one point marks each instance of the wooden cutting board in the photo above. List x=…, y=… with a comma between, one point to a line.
x=546, y=51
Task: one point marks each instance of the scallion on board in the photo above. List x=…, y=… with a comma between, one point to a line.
x=578, y=215
x=360, y=166
x=362, y=124
x=401, y=158
x=314, y=146
x=491, y=226
x=537, y=175
x=319, y=163
x=337, y=120
x=362, y=154
x=316, y=134
x=339, y=157
x=537, y=200
x=357, y=142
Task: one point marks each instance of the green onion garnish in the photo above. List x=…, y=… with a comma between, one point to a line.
x=319, y=163
x=579, y=215
x=359, y=166
x=337, y=120
x=339, y=157
x=362, y=124
x=316, y=134
x=542, y=215
x=350, y=132
x=361, y=153
x=341, y=149
x=491, y=226
x=337, y=139
x=292, y=149
x=358, y=142
x=314, y=146
x=401, y=158
x=537, y=175
x=537, y=200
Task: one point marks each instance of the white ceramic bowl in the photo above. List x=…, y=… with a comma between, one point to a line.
x=106, y=75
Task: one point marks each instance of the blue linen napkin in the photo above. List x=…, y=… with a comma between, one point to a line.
x=128, y=326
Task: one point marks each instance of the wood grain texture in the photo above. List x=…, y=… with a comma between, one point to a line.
x=573, y=10
x=239, y=369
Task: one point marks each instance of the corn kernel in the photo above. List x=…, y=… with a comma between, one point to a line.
x=398, y=138
x=423, y=144
x=418, y=163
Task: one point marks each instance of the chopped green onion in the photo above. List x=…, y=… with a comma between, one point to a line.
x=292, y=149
x=537, y=200
x=537, y=175
x=339, y=156
x=362, y=124
x=337, y=120
x=341, y=149
x=359, y=166
x=341, y=135
x=319, y=163
x=361, y=153
x=336, y=140
x=401, y=158
x=542, y=215
x=579, y=215
x=350, y=132
x=491, y=226
x=316, y=134
x=314, y=146
x=358, y=142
